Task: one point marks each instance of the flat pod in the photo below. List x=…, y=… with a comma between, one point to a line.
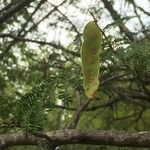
x=90, y=58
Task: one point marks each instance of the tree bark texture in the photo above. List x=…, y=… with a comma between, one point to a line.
x=73, y=136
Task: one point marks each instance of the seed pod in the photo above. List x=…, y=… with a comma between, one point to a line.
x=90, y=58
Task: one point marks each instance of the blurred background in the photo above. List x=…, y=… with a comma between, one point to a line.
x=40, y=67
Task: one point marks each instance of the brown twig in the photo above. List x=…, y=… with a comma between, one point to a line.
x=78, y=113
x=103, y=33
x=94, y=17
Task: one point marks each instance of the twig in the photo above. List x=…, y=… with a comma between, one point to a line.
x=103, y=33
x=144, y=11
x=92, y=108
x=117, y=16
x=141, y=82
x=94, y=18
x=29, y=30
x=38, y=42
x=5, y=125
x=73, y=26
x=142, y=25
x=13, y=9
x=140, y=114
x=78, y=113
x=22, y=30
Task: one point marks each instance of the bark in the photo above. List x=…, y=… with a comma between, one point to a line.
x=77, y=115
x=72, y=136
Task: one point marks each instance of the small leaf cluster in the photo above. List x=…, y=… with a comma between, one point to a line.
x=33, y=106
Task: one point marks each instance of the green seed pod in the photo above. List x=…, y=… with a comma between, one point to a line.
x=90, y=58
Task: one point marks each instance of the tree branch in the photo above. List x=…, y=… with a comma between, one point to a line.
x=70, y=22
x=142, y=25
x=131, y=93
x=78, y=113
x=31, y=17
x=92, y=108
x=39, y=42
x=141, y=82
x=145, y=12
x=9, y=125
x=116, y=17
x=13, y=9
x=71, y=136
x=30, y=29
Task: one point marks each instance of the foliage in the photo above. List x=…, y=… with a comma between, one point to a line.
x=32, y=107
x=40, y=74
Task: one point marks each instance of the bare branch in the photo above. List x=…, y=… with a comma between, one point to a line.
x=9, y=125
x=73, y=26
x=7, y=7
x=146, y=12
x=13, y=9
x=31, y=16
x=92, y=108
x=46, y=16
x=71, y=136
x=117, y=16
x=78, y=113
x=29, y=30
x=136, y=12
x=23, y=28
x=133, y=94
x=141, y=82
x=57, y=46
